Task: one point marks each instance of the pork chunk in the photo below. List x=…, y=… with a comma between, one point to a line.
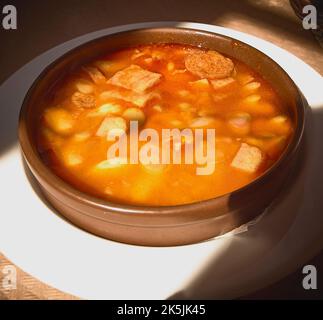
x=135, y=78
x=138, y=99
x=96, y=75
x=248, y=158
x=210, y=65
x=83, y=100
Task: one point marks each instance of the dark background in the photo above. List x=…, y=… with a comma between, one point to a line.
x=44, y=24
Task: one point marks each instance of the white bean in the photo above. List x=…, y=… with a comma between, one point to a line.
x=254, y=98
x=252, y=86
x=111, y=123
x=134, y=114
x=112, y=163
x=59, y=120
x=201, y=122
x=84, y=87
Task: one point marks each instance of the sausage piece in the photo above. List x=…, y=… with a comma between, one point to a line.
x=83, y=100
x=211, y=65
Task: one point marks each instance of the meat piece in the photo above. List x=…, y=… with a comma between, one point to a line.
x=211, y=65
x=248, y=158
x=139, y=99
x=108, y=67
x=135, y=78
x=96, y=75
x=83, y=100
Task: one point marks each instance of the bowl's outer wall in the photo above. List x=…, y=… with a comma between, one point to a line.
x=159, y=226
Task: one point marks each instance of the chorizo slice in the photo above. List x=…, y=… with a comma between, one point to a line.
x=210, y=65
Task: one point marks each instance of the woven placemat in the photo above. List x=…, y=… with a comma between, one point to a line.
x=16, y=284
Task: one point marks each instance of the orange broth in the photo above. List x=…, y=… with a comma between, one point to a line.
x=246, y=111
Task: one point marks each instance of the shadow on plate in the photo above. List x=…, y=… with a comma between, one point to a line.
x=306, y=177
x=36, y=188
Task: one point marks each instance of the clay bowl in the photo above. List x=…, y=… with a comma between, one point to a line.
x=171, y=225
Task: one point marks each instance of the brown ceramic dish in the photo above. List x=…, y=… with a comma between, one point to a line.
x=172, y=225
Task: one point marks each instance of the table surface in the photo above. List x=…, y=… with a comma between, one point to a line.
x=46, y=24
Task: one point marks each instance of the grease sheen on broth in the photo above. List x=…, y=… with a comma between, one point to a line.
x=162, y=86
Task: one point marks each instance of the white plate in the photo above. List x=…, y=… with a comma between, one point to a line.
x=61, y=255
